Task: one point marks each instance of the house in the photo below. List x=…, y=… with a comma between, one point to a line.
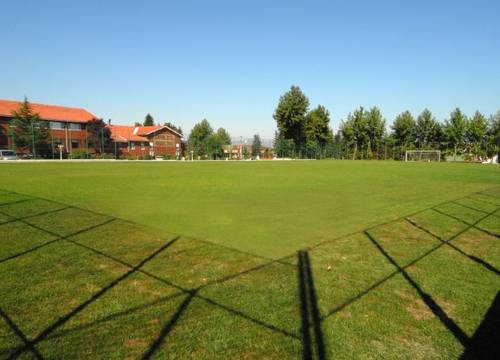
x=137, y=141
x=68, y=125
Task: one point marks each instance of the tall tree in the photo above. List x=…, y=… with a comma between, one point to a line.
x=375, y=131
x=256, y=144
x=455, y=129
x=198, y=138
x=29, y=132
x=317, y=129
x=355, y=134
x=403, y=132
x=475, y=134
x=290, y=115
x=427, y=130
x=98, y=136
x=148, y=120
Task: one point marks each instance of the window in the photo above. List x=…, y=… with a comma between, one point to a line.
x=75, y=144
x=132, y=145
x=73, y=126
x=143, y=146
x=56, y=125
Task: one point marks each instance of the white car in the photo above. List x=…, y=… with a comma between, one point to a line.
x=8, y=155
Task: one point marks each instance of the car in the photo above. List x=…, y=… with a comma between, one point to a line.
x=8, y=154
x=26, y=156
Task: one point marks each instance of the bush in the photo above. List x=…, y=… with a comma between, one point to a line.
x=79, y=154
x=103, y=156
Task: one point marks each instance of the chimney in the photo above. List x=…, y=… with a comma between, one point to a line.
x=109, y=122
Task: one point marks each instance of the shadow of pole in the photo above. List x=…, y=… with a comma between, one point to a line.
x=313, y=344
x=484, y=343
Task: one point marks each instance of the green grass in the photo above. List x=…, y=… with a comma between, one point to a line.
x=199, y=260
x=266, y=208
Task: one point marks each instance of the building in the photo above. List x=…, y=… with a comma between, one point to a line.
x=68, y=125
x=139, y=141
x=239, y=151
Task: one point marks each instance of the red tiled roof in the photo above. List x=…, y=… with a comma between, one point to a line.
x=49, y=112
x=123, y=133
x=146, y=130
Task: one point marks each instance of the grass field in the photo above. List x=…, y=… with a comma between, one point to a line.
x=319, y=259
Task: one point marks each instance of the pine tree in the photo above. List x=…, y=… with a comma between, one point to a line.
x=148, y=120
x=29, y=132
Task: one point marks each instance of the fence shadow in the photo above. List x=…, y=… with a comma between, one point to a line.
x=313, y=346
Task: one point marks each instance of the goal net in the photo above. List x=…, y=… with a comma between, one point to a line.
x=423, y=155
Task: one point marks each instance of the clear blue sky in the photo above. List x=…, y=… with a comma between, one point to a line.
x=229, y=61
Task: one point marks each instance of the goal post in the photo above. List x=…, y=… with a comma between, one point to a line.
x=423, y=155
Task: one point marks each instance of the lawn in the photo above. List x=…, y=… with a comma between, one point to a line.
x=266, y=208
x=322, y=259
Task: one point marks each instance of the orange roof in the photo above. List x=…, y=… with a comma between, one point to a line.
x=49, y=112
x=148, y=130
x=123, y=133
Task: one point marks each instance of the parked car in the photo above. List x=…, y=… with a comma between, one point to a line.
x=26, y=156
x=8, y=155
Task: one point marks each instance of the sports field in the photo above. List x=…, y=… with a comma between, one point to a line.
x=311, y=259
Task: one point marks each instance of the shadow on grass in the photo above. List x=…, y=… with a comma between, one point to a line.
x=309, y=311
x=484, y=344
x=479, y=261
x=428, y=300
x=312, y=337
x=169, y=326
x=21, y=335
x=62, y=320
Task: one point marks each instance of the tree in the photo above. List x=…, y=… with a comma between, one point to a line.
x=29, y=132
x=216, y=143
x=283, y=147
x=198, y=138
x=245, y=152
x=375, y=131
x=137, y=124
x=455, y=129
x=98, y=136
x=317, y=131
x=427, y=130
x=148, y=120
x=290, y=115
x=354, y=131
x=403, y=132
x=493, y=135
x=257, y=143
x=475, y=134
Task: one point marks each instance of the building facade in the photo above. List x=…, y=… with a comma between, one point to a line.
x=141, y=141
x=68, y=125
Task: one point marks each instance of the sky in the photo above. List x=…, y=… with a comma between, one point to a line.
x=230, y=61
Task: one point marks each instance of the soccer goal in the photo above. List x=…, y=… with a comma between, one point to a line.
x=423, y=155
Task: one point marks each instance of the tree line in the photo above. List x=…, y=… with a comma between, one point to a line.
x=205, y=143
x=305, y=133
